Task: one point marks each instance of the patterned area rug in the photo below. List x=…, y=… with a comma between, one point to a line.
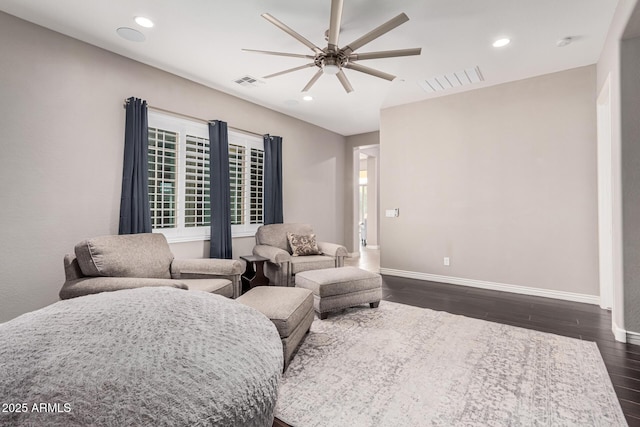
x=405, y=366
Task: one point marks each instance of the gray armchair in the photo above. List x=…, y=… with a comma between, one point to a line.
x=272, y=243
x=111, y=263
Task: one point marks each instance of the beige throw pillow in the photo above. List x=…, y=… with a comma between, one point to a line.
x=303, y=244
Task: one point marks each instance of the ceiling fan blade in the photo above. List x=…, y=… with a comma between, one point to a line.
x=268, y=52
x=290, y=70
x=345, y=82
x=291, y=32
x=314, y=79
x=370, y=71
x=384, y=54
x=375, y=33
x=334, y=24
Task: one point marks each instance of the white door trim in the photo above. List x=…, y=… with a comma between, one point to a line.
x=605, y=195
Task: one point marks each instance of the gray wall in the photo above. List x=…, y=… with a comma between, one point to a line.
x=62, y=127
x=630, y=149
x=502, y=180
x=609, y=68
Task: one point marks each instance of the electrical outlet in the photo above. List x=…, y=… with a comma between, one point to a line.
x=447, y=262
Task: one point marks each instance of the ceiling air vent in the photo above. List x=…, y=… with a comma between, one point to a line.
x=451, y=80
x=248, y=81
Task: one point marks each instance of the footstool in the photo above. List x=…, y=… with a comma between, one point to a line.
x=290, y=310
x=338, y=288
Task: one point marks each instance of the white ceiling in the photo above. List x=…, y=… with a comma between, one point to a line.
x=202, y=40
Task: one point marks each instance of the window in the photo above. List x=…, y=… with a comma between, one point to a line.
x=246, y=159
x=179, y=179
x=163, y=152
x=197, y=206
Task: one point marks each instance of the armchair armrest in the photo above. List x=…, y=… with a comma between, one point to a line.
x=94, y=285
x=205, y=266
x=275, y=255
x=332, y=249
x=72, y=268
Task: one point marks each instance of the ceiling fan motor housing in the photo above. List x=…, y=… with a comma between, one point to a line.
x=325, y=58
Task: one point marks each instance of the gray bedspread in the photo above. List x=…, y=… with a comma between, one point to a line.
x=140, y=357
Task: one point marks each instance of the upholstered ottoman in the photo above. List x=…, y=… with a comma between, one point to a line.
x=290, y=310
x=338, y=288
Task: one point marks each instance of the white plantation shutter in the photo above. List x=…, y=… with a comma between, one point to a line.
x=163, y=155
x=256, y=185
x=246, y=160
x=197, y=202
x=236, y=180
x=179, y=177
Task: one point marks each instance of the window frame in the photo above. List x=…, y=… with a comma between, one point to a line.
x=184, y=126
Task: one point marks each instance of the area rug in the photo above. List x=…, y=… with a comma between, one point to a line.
x=399, y=365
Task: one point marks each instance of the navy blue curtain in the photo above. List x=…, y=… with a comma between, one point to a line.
x=220, y=190
x=135, y=215
x=272, y=180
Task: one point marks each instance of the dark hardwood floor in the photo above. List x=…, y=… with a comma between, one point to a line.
x=571, y=319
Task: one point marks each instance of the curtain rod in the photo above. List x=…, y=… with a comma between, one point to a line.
x=162, y=110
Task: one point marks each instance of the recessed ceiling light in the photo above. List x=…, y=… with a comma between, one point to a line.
x=130, y=34
x=308, y=98
x=501, y=42
x=144, y=22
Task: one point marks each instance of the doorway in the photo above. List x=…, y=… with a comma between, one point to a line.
x=366, y=195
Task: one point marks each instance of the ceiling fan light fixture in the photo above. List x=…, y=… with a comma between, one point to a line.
x=331, y=69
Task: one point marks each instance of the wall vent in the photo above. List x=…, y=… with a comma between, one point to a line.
x=442, y=82
x=248, y=81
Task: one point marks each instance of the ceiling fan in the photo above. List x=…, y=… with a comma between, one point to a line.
x=332, y=59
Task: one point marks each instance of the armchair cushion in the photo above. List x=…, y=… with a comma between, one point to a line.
x=133, y=255
x=215, y=286
x=95, y=285
x=312, y=262
x=303, y=244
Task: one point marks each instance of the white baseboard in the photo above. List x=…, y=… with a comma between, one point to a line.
x=372, y=246
x=620, y=334
x=633, y=338
x=517, y=289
